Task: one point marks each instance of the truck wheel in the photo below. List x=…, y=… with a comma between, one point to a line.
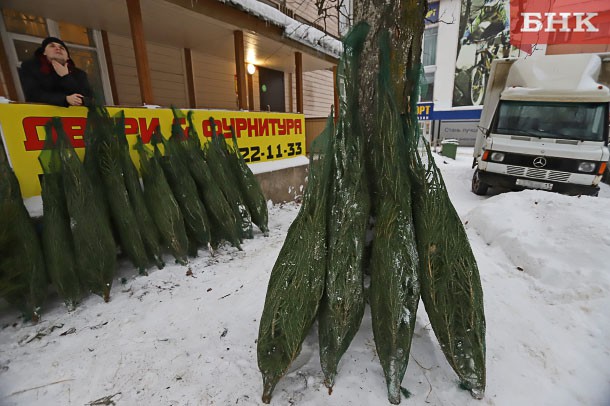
x=478, y=186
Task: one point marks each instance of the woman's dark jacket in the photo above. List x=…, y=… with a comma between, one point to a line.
x=41, y=84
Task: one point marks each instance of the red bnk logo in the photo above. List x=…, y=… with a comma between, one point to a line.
x=559, y=22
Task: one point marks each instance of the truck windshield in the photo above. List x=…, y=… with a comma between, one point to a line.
x=574, y=121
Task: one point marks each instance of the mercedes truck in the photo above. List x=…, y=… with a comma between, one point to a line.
x=544, y=125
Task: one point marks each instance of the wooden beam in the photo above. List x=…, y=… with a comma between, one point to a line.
x=9, y=81
x=335, y=94
x=298, y=61
x=250, y=93
x=190, y=78
x=290, y=94
x=139, y=47
x=109, y=66
x=240, y=69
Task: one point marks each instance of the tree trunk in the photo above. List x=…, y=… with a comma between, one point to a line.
x=405, y=21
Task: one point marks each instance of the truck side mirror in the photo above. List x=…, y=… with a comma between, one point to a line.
x=484, y=130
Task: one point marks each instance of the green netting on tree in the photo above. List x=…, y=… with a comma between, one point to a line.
x=296, y=283
x=216, y=153
x=450, y=283
x=320, y=143
x=394, y=289
x=94, y=246
x=148, y=230
x=56, y=235
x=23, y=281
x=107, y=156
x=161, y=202
x=342, y=305
x=175, y=168
x=90, y=162
x=250, y=188
x=223, y=222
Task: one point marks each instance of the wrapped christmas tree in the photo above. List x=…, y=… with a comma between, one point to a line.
x=161, y=202
x=57, y=242
x=94, y=246
x=23, y=280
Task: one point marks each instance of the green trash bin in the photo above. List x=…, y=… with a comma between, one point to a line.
x=449, y=148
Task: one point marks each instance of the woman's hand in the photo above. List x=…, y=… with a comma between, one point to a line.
x=61, y=70
x=75, y=99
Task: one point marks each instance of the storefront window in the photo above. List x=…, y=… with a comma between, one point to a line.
x=25, y=49
x=76, y=34
x=86, y=59
x=24, y=32
x=27, y=24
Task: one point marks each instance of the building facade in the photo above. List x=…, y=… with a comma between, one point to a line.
x=190, y=54
x=461, y=39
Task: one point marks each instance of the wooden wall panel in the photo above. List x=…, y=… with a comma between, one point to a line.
x=317, y=93
x=167, y=74
x=166, y=69
x=125, y=74
x=215, y=82
x=309, y=11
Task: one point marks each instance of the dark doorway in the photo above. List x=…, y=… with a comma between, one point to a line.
x=271, y=87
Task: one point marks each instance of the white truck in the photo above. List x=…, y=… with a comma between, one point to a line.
x=544, y=125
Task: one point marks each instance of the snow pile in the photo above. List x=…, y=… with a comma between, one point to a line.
x=543, y=234
x=186, y=335
x=293, y=29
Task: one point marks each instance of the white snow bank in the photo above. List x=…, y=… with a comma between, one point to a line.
x=176, y=339
x=279, y=164
x=544, y=233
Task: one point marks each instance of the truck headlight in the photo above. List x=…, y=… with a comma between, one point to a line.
x=497, y=156
x=586, y=167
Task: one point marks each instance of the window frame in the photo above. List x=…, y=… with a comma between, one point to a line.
x=429, y=69
x=53, y=30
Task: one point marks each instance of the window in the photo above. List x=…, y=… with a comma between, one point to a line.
x=426, y=81
x=574, y=121
x=426, y=84
x=27, y=24
x=76, y=34
x=345, y=16
x=24, y=33
x=429, y=48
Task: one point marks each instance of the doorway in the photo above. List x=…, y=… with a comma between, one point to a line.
x=271, y=87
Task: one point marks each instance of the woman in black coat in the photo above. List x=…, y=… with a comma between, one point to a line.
x=51, y=77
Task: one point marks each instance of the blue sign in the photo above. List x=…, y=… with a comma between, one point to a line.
x=425, y=111
x=432, y=15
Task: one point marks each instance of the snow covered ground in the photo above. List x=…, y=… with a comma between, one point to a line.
x=188, y=338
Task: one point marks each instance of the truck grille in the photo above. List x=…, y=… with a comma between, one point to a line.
x=535, y=173
x=559, y=165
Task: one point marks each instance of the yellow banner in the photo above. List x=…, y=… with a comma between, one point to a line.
x=260, y=136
